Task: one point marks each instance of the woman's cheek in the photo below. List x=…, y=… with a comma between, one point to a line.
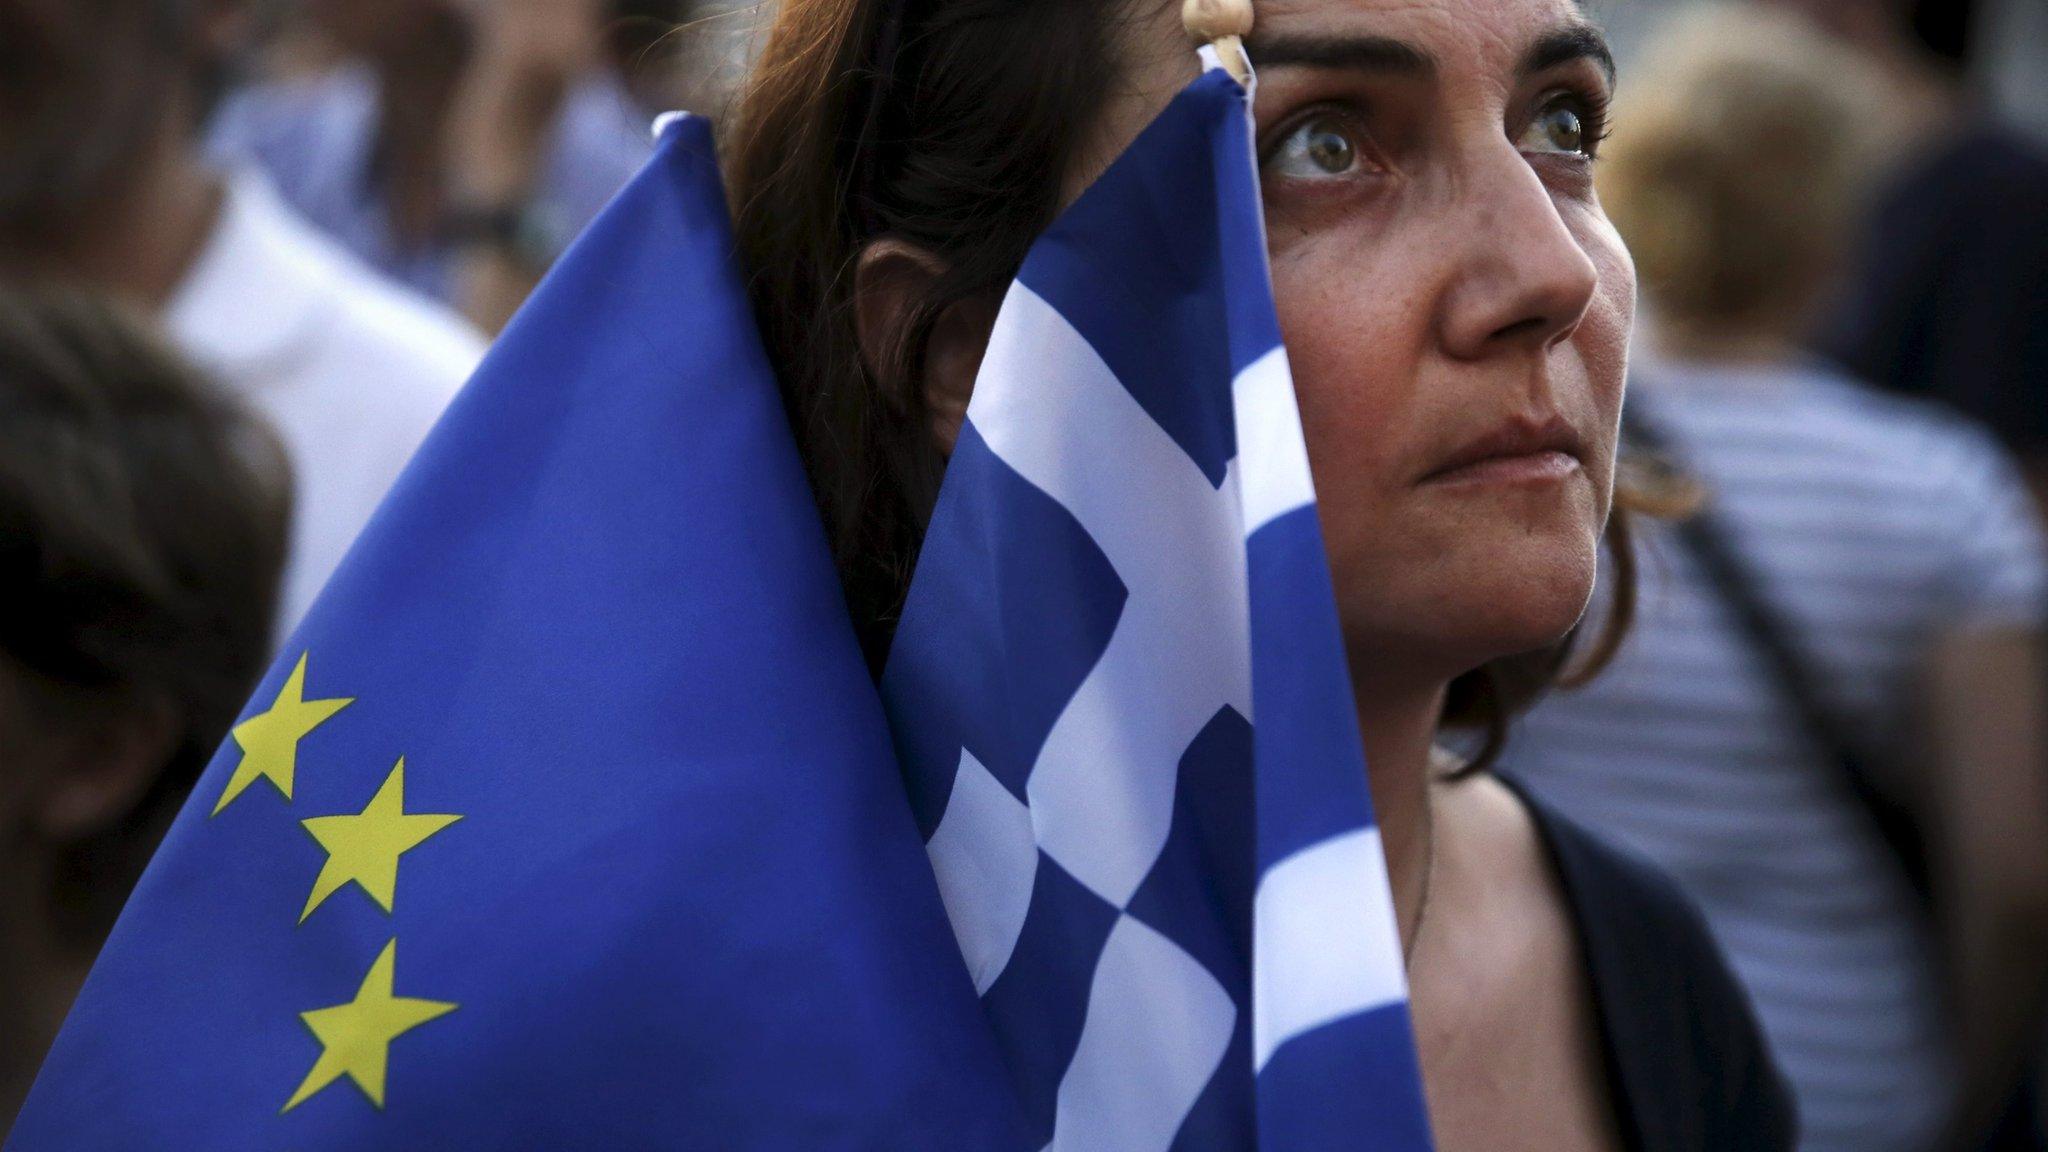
x=1603, y=338
x=1617, y=293
x=1356, y=395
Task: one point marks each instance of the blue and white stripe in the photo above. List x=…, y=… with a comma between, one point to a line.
x=1178, y=920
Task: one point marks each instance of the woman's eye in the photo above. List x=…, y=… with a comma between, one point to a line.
x=1560, y=127
x=1320, y=148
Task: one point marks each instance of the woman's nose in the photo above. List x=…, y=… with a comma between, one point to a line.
x=1522, y=282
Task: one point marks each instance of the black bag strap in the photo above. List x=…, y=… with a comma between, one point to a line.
x=1713, y=548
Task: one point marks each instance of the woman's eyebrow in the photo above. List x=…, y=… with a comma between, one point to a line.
x=1562, y=45
x=1352, y=53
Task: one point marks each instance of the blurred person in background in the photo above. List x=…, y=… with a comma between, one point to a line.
x=143, y=520
x=102, y=183
x=1948, y=291
x=458, y=145
x=1878, y=623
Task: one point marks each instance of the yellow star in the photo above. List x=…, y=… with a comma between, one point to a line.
x=270, y=742
x=365, y=847
x=356, y=1037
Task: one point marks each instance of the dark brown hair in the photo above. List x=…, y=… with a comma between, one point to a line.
x=143, y=523
x=950, y=126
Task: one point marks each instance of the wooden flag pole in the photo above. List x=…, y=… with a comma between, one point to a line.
x=1222, y=24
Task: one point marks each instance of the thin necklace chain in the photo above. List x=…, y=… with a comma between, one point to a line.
x=1428, y=873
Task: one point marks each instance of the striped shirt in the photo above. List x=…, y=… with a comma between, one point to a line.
x=1875, y=525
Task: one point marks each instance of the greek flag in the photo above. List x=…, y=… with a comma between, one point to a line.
x=1122, y=706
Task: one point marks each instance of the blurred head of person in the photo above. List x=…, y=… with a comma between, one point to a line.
x=655, y=47
x=384, y=30
x=92, y=92
x=1736, y=171
x=674, y=53
x=1863, y=22
x=1934, y=34
x=143, y=521
x=381, y=29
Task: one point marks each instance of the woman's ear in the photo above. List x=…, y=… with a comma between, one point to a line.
x=889, y=280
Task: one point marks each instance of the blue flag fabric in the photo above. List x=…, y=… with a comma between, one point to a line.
x=1121, y=700
x=568, y=819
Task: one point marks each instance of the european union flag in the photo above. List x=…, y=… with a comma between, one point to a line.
x=569, y=818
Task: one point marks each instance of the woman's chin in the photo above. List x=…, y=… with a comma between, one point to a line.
x=1533, y=594
x=1469, y=605
x=1513, y=623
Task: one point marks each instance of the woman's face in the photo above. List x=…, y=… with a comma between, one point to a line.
x=1456, y=308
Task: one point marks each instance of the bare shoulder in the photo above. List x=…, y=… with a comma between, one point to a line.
x=1500, y=992
x=1488, y=809
x=1492, y=842
x=1499, y=930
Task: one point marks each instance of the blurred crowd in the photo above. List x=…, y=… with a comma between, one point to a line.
x=250, y=249
x=248, y=253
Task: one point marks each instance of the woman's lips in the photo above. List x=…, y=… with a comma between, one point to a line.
x=1547, y=466
x=1523, y=450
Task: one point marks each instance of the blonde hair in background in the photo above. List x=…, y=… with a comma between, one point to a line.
x=1742, y=148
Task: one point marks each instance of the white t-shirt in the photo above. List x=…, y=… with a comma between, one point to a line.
x=1876, y=524
x=349, y=369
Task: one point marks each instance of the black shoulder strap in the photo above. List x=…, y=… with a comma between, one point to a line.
x=1709, y=541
